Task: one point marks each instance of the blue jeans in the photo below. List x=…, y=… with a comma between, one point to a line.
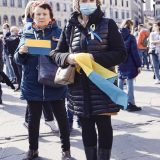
x=9, y=69
x=144, y=57
x=156, y=63
x=130, y=87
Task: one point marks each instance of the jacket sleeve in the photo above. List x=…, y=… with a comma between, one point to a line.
x=134, y=52
x=62, y=50
x=20, y=58
x=117, y=52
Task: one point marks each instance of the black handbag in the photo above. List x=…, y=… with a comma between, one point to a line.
x=46, y=71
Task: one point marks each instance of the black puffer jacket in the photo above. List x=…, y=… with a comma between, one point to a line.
x=84, y=98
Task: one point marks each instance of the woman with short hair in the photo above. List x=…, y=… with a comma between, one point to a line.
x=43, y=27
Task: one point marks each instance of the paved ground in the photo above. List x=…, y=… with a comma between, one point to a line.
x=136, y=135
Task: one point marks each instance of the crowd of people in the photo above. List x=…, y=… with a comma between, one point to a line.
x=128, y=48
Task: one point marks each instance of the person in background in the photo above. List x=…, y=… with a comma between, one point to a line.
x=85, y=99
x=43, y=27
x=132, y=66
x=47, y=110
x=154, y=50
x=11, y=44
x=142, y=44
x=9, y=69
x=1, y=68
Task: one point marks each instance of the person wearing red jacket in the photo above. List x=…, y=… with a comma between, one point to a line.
x=142, y=44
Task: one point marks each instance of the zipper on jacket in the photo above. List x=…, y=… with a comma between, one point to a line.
x=43, y=35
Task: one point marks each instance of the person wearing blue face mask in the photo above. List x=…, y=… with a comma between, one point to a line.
x=87, y=8
x=88, y=31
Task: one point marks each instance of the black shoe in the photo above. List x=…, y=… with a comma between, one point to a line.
x=66, y=155
x=31, y=154
x=132, y=108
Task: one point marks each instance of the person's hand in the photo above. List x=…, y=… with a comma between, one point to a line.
x=139, y=70
x=23, y=49
x=70, y=59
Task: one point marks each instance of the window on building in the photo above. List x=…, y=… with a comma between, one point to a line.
x=111, y=12
x=65, y=21
x=12, y=3
x=128, y=16
x=59, y=23
x=26, y=1
x=20, y=23
x=110, y=2
x=58, y=6
x=116, y=15
x=13, y=20
x=4, y=2
x=65, y=7
x=122, y=3
x=0, y=21
x=20, y=3
x=127, y=5
x=71, y=8
x=5, y=19
x=116, y=2
x=123, y=15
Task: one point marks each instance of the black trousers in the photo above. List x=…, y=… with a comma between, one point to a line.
x=47, y=112
x=35, y=111
x=105, y=132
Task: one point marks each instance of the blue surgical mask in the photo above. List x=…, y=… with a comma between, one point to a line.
x=87, y=8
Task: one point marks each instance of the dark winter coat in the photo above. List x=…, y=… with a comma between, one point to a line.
x=30, y=88
x=84, y=97
x=12, y=43
x=129, y=69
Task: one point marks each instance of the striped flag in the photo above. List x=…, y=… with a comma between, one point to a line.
x=38, y=47
x=102, y=78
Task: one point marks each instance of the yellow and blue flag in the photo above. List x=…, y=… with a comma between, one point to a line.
x=40, y=47
x=102, y=78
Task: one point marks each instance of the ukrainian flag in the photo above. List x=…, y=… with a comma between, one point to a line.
x=102, y=78
x=40, y=47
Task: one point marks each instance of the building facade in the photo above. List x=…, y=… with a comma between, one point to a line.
x=11, y=12
x=119, y=10
x=62, y=10
x=137, y=11
x=157, y=9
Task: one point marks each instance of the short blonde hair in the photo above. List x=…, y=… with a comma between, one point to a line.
x=29, y=10
x=14, y=28
x=76, y=5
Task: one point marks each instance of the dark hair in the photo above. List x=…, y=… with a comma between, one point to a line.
x=7, y=25
x=127, y=23
x=44, y=6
